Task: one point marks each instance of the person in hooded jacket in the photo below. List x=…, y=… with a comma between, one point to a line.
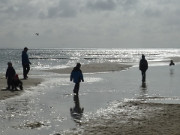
x=10, y=73
x=143, y=66
x=76, y=77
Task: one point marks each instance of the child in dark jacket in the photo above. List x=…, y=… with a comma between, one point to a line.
x=10, y=73
x=76, y=77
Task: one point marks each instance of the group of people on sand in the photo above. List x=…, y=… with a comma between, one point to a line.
x=76, y=75
x=13, y=81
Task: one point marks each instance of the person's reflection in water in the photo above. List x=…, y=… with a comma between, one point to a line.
x=171, y=71
x=143, y=90
x=76, y=111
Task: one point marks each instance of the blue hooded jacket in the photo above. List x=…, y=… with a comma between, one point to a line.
x=76, y=75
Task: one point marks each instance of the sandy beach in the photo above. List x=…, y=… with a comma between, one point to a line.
x=4, y=94
x=138, y=118
x=90, y=68
x=94, y=68
x=141, y=118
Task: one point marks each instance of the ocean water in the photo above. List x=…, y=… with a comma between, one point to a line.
x=47, y=108
x=60, y=58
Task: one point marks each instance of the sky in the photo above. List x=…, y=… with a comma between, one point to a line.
x=90, y=23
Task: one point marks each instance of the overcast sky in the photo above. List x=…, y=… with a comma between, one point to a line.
x=89, y=23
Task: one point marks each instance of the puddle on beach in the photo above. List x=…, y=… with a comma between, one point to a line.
x=51, y=108
x=48, y=108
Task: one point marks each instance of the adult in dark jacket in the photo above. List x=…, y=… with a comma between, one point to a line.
x=10, y=73
x=25, y=63
x=171, y=63
x=77, y=77
x=143, y=66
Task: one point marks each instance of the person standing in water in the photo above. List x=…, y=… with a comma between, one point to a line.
x=171, y=63
x=25, y=63
x=143, y=66
x=76, y=77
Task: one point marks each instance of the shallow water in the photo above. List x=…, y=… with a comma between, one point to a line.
x=47, y=109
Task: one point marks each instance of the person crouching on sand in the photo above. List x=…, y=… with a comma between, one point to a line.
x=17, y=82
x=10, y=73
x=77, y=77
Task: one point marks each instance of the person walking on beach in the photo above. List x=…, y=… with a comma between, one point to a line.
x=143, y=66
x=77, y=77
x=10, y=73
x=25, y=63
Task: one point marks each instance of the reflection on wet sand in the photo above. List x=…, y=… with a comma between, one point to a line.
x=143, y=91
x=17, y=108
x=76, y=111
x=171, y=71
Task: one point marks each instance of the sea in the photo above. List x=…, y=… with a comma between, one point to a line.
x=51, y=108
x=55, y=58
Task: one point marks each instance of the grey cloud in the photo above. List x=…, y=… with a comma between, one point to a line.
x=118, y=20
x=127, y=4
x=102, y=4
x=65, y=8
x=18, y=10
x=152, y=13
x=3, y=1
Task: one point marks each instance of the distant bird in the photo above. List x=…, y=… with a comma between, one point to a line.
x=37, y=34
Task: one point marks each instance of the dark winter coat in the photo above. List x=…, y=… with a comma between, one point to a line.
x=143, y=65
x=25, y=58
x=10, y=72
x=76, y=75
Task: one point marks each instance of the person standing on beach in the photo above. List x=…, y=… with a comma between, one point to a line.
x=10, y=73
x=77, y=77
x=143, y=66
x=25, y=63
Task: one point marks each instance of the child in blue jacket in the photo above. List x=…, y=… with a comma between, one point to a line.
x=77, y=77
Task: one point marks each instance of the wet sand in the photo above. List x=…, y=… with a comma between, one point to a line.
x=137, y=119
x=4, y=94
x=94, y=67
x=90, y=68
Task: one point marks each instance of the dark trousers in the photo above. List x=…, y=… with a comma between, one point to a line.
x=10, y=83
x=143, y=76
x=26, y=69
x=76, y=88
